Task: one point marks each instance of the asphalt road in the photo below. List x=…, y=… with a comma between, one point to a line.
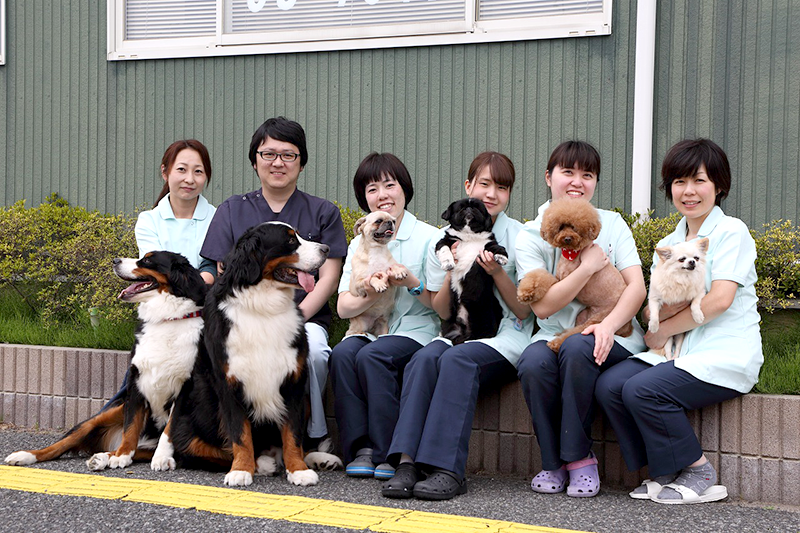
x=502, y=498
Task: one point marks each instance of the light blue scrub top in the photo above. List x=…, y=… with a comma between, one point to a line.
x=158, y=229
x=727, y=350
x=617, y=242
x=514, y=335
x=409, y=318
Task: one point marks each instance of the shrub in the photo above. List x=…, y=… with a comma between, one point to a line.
x=58, y=257
x=778, y=263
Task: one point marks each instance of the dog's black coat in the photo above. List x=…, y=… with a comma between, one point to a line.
x=471, y=289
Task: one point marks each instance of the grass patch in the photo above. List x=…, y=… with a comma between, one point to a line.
x=21, y=324
x=780, y=337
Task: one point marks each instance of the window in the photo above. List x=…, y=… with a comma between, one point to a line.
x=142, y=29
x=2, y=32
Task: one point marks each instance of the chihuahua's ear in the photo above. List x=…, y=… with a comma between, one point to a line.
x=702, y=244
x=359, y=223
x=664, y=253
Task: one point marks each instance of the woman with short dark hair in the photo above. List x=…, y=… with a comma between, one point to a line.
x=646, y=397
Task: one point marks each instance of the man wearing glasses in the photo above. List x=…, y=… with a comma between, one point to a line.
x=278, y=154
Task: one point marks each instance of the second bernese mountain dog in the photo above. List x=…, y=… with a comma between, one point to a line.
x=247, y=392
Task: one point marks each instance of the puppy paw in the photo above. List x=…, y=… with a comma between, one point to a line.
x=448, y=265
x=501, y=259
x=21, y=458
x=98, y=461
x=535, y=285
x=238, y=478
x=379, y=282
x=162, y=463
x=698, y=316
x=302, y=478
x=322, y=461
x=120, y=461
x=397, y=272
x=653, y=325
x=266, y=465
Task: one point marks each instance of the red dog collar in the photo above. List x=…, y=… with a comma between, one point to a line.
x=195, y=314
x=570, y=255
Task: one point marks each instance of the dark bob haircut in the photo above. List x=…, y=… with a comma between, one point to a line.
x=685, y=159
x=575, y=154
x=500, y=167
x=376, y=167
x=171, y=154
x=280, y=129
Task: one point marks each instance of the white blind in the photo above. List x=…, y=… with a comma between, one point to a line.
x=277, y=15
x=507, y=9
x=160, y=19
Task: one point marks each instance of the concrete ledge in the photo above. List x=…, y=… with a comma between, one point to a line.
x=753, y=441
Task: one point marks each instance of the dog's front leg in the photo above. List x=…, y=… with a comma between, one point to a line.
x=163, y=458
x=697, y=311
x=297, y=471
x=500, y=254
x=655, y=307
x=445, y=255
x=240, y=434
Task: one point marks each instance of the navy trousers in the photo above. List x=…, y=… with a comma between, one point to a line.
x=559, y=391
x=646, y=405
x=366, y=378
x=440, y=390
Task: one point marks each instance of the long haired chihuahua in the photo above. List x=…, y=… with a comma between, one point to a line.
x=680, y=276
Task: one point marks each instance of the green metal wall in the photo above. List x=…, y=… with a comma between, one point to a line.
x=730, y=71
x=94, y=130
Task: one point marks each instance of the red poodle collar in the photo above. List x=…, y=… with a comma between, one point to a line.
x=570, y=255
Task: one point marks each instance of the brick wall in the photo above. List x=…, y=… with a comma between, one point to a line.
x=753, y=441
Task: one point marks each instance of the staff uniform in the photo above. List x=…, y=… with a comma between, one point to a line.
x=315, y=219
x=441, y=383
x=365, y=371
x=559, y=388
x=158, y=229
x=646, y=397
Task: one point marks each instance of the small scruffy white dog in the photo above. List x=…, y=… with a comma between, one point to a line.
x=680, y=276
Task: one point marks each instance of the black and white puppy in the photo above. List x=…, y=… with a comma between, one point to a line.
x=475, y=312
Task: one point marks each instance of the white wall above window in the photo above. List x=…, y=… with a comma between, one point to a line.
x=146, y=29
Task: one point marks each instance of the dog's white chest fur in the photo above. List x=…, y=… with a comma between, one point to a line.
x=468, y=249
x=264, y=324
x=165, y=354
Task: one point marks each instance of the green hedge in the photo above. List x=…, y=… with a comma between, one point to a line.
x=58, y=257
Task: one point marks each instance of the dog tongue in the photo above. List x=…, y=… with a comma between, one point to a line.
x=133, y=288
x=306, y=280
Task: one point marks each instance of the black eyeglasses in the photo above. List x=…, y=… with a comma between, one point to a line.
x=286, y=157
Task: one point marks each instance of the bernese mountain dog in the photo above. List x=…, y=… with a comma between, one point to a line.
x=170, y=293
x=247, y=392
x=475, y=312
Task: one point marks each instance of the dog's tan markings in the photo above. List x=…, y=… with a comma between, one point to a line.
x=130, y=435
x=204, y=450
x=103, y=421
x=231, y=380
x=272, y=265
x=160, y=277
x=298, y=371
x=292, y=453
x=243, y=455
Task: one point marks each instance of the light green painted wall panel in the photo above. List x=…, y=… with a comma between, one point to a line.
x=94, y=130
x=730, y=71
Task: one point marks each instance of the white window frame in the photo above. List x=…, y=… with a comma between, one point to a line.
x=2, y=32
x=355, y=38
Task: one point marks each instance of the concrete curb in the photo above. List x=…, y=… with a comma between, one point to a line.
x=753, y=441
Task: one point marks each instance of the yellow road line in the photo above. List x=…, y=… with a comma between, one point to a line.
x=254, y=504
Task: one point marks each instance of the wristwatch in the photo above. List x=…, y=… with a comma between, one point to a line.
x=416, y=291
